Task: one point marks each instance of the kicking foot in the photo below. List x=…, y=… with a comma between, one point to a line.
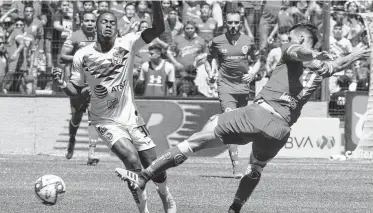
x=70, y=148
x=168, y=201
x=136, y=181
x=92, y=161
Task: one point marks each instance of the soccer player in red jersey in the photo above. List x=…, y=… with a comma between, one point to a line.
x=267, y=121
x=79, y=104
x=232, y=54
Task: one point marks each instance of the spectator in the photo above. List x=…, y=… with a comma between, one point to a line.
x=186, y=86
x=142, y=12
x=102, y=6
x=166, y=7
x=3, y=64
x=339, y=46
x=14, y=47
x=157, y=76
x=34, y=27
x=191, y=11
x=173, y=27
x=363, y=80
x=117, y=7
x=338, y=99
x=207, y=26
x=129, y=22
x=46, y=18
x=186, y=48
x=62, y=24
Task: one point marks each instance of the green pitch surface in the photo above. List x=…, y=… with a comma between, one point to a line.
x=201, y=185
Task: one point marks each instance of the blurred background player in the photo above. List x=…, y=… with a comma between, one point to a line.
x=78, y=39
x=231, y=54
x=107, y=67
x=267, y=121
x=158, y=75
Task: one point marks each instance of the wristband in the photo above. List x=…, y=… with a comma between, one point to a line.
x=64, y=85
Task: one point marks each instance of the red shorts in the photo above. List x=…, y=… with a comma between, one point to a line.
x=268, y=132
x=232, y=101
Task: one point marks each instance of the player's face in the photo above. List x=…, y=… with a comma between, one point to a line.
x=29, y=13
x=143, y=26
x=189, y=30
x=205, y=10
x=107, y=26
x=130, y=11
x=154, y=54
x=89, y=21
x=88, y=6
x=233, y=23
x=142, y=6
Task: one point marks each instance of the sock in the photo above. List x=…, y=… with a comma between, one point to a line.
x=73, y=128
x=247, y=185
x=140, y=198
x=233, y=153
x=162, y=187
x=93, y=138
x=171, y=158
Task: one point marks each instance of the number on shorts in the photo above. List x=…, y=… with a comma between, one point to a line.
x=144, y=130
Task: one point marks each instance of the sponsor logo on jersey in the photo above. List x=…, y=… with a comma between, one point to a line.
x=100, y=91
x=112, y=104
x=235, y=57
x=224, y=50
x=155, y=80
x=120, y=55
x=293, y=103
x=119, y=87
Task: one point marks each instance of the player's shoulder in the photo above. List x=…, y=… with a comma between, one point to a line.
x=220, y=39
x=128, y=38
x=89, y=49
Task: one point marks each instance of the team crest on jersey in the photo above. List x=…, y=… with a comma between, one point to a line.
x=120, y=55
x=245, y=49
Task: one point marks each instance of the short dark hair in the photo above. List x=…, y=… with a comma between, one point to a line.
x=344, y=82
x=129, y=4
x=312, y=29
x=338, y=24
x=155, y=46
x=93, y=2
x=204, y=3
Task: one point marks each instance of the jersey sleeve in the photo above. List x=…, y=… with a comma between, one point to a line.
x=322, y=68
x=286, y=48
x=133, y=41
x=77, y=70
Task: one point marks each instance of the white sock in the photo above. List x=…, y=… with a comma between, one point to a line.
x=162, y=187
x=142, y=205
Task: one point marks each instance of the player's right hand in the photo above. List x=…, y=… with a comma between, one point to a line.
x=57, y=75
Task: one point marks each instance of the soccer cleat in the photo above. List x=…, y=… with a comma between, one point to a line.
x=168, y=201
x=70, y=148
x=237, y=175
x=92, y=161
x=232, y=211
x=136, y=181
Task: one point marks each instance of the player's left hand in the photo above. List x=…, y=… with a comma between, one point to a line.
x=86, y=92
x=249, y=77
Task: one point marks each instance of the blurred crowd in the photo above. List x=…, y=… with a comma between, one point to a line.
x=33, y=32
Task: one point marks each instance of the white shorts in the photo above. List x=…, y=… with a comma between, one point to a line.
x=112, y=132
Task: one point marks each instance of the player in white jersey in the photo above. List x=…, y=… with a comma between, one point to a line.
x=107, y=67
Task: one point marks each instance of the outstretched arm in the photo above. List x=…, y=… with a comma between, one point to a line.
x=300, y=53
x=157, y=29
x=342, y=63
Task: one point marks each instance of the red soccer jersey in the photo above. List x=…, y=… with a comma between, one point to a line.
x=292, y=84
x=78, y=40
x=233, y=61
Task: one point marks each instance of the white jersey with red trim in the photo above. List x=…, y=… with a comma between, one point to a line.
x=110, y=76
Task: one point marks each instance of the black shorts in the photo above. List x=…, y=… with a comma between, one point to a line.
x=79, y=104
x=268, y=132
